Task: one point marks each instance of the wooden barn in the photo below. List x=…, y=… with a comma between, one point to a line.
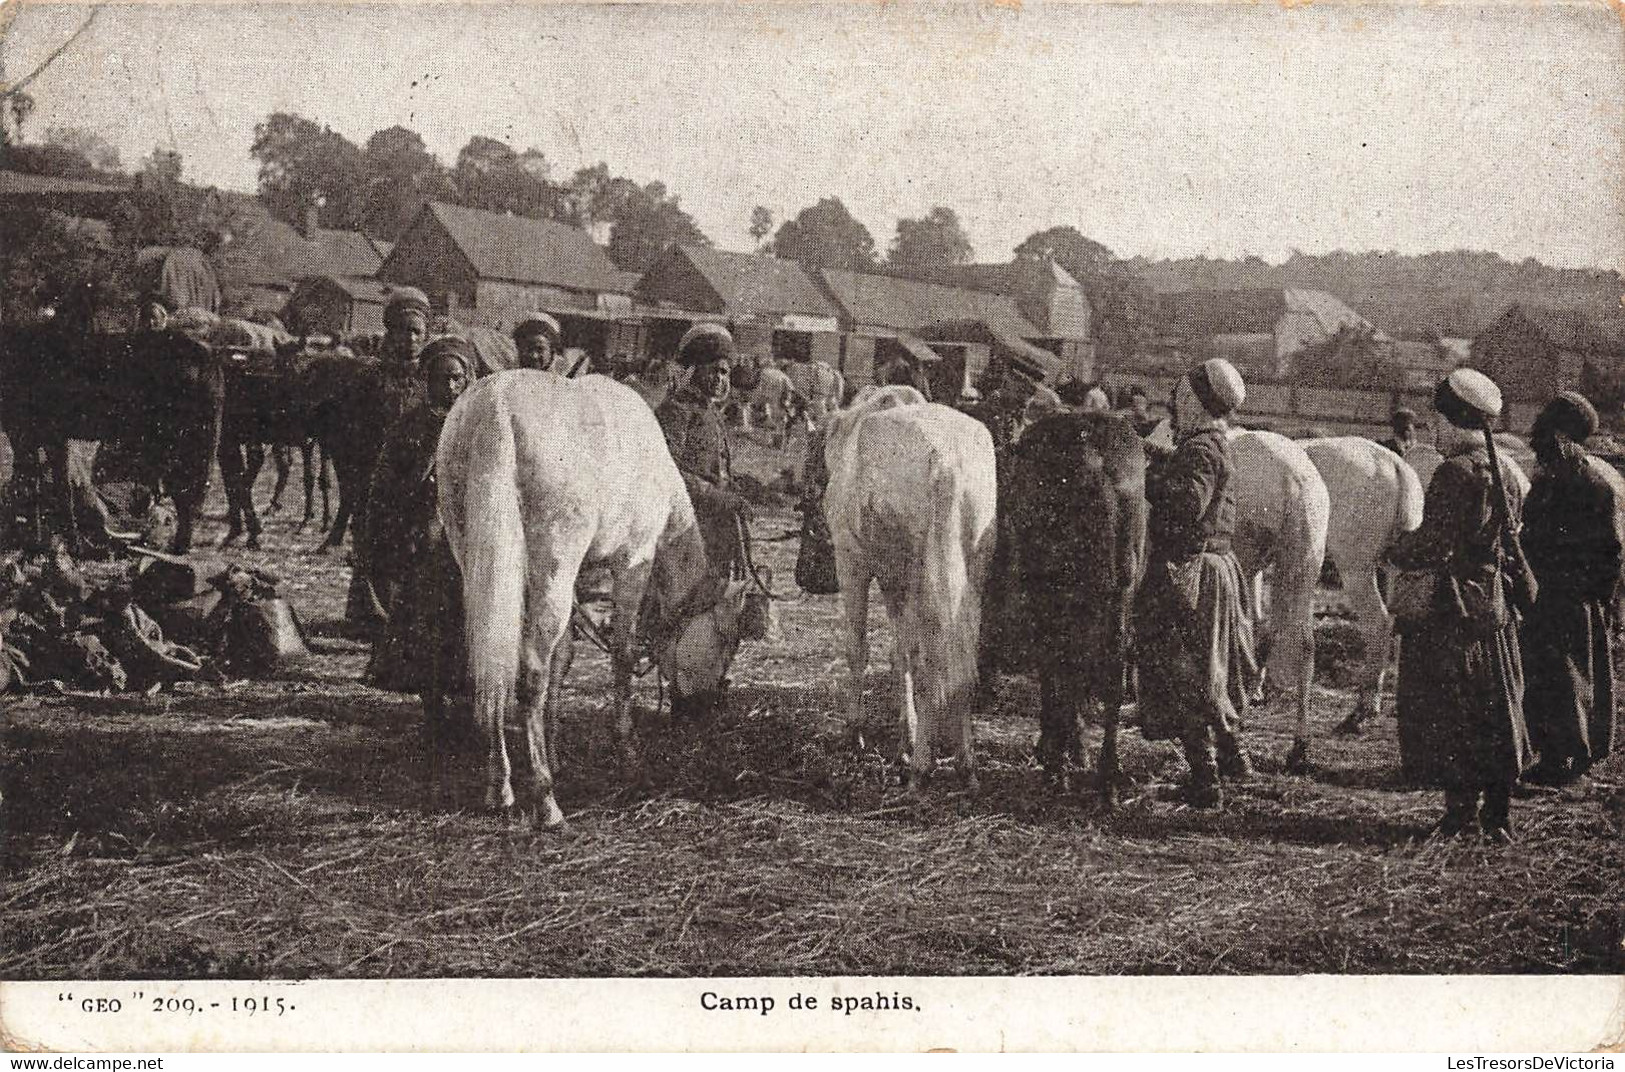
x=773, y=307
x=882, y=318
x=1050, y=299
x=488, y=269
x=1261, y=332
x=978, y=353
x=1535, y=351
x=263, y=259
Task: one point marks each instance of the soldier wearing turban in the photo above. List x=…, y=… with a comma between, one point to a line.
x=1195, y=648
x=1460, y=694
x=416, y=581
x=697, y=435
x=1572, y=538
x=406, y=323
x=538, y=338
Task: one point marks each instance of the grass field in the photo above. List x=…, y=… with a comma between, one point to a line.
x=275, y=829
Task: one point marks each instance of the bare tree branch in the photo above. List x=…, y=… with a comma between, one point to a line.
x=8, y=89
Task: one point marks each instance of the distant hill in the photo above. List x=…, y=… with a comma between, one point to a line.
x=1436, y=294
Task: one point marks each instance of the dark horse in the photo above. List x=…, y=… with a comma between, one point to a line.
x=266, y=404
x=345, y=404
x=1072, y=492
x=157, y=395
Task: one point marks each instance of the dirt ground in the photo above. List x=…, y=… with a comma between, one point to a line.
x=277, y=829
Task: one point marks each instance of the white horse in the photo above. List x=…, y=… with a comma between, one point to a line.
x=911, y=501
x=820, y=388
x=1282, y=512
x=539, y=477
x=773, y=394
x=1376, y=498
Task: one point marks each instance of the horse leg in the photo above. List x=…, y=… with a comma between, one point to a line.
x=282, y=458
x=855, y=601
x=324, y=481
x=1376, y=629
x=916, y=754
x=563, y=659
x=1110, y=770
x=350, y=481
x=254, y=461
x=627, y=592
x=548, y=627
x=307, y=450
x=61, y=474
x=961, y=701
x=1292, y=618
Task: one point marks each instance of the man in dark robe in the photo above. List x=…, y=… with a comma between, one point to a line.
x=1460, y=696
x=1572, y=539
x=374, y=402
x=697, y=436
x=1195, y=645
x=420, y=647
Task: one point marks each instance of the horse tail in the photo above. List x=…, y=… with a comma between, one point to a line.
x=947, y=602
x=1298, y=561
x=484, y=524
x=1408, y=507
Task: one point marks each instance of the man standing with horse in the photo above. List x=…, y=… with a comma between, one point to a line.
x=373, y=405
x=697, y=436
x=1195, y=652
x=420, y=647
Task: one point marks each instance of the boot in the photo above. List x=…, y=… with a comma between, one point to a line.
x=1497, y=817
x=1460, y=814
x=1203, y=791
x=1234, y=764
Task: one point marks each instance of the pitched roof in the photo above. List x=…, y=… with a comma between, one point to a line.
x=357, y=288
x=22, y=183
x=1010, y=277
x=522, y=250
x=748, y=283
x=1034, y=360
x=265, y=251
x=908, y=305
x=1198, y=313
x=1567, y=329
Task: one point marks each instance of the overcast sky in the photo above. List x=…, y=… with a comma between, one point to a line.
x=1158, y=130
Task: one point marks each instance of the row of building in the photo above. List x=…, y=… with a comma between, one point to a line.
x=489, y=269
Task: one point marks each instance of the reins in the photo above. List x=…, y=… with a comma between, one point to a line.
x=746, y=541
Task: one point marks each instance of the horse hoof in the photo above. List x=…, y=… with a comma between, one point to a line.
x=319, y=549
x=1108, y=797
x=1350, y=726
x=253, y=543
x=229, y=539
x=1297, y=761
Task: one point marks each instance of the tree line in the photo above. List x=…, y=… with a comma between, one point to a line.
x=307, y=168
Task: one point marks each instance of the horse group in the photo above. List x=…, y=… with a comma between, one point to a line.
x=913, y=503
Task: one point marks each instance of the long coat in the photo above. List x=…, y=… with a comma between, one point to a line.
x=410, y=564
x=1460, y=692
x=697, y=437
x=1573, y=542
x=1194, y=639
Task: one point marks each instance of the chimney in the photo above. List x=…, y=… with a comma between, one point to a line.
x=307, y=223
